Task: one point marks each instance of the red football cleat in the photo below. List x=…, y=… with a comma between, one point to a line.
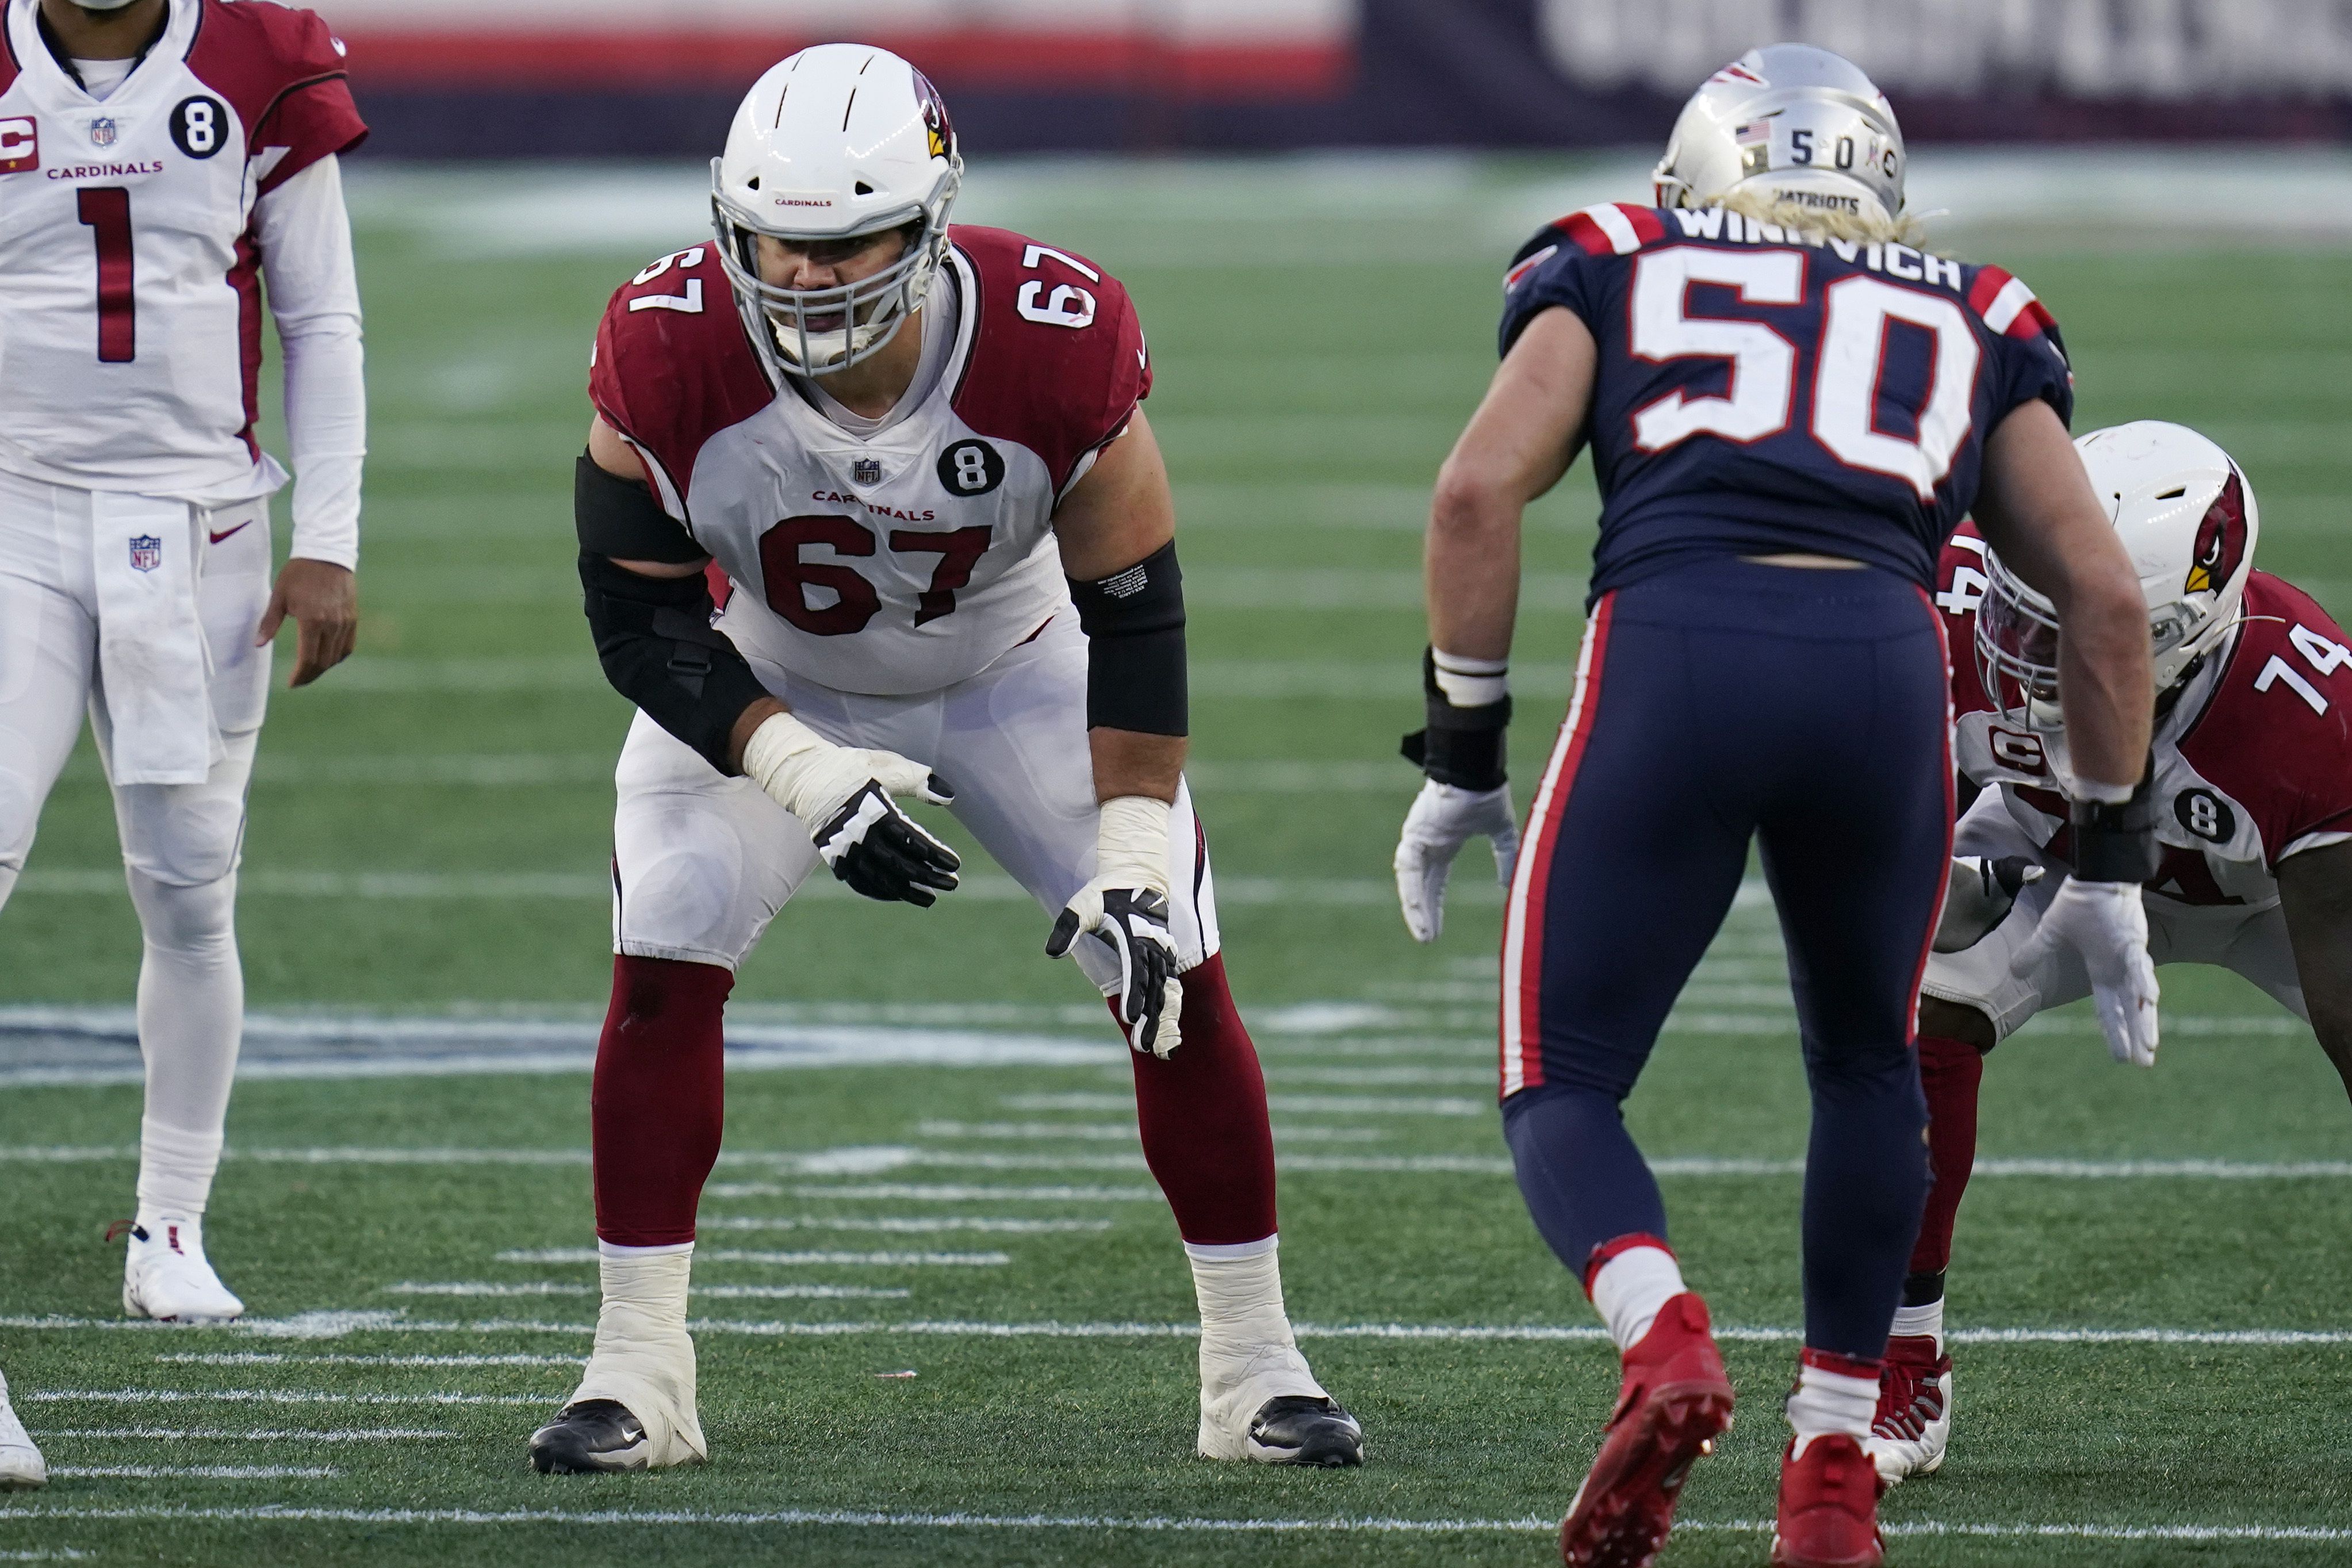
x=1829, y=1507
x=1674, y=1401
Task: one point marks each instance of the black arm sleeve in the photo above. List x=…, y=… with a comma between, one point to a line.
x=652, y=634
x=1134, y=620
x=620, y=517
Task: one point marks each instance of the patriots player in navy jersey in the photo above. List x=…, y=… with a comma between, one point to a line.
x=1790, y=406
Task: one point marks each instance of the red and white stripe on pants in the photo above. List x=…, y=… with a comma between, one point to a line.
x=1523, y=922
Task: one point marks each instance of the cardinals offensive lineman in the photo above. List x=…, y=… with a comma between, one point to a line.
x=2253, y=792
x=912, y=462
x=160, y=161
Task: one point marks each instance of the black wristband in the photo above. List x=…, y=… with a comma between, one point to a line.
x=2116, y=843
x=1462, y=746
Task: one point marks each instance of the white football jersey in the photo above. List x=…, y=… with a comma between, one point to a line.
x=906, y=560
x=130, y=276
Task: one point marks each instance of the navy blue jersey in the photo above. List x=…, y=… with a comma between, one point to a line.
x=1762, y=390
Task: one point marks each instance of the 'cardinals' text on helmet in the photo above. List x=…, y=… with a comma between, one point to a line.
x=836, y=141
x=2188, y=519
x=1794, y=124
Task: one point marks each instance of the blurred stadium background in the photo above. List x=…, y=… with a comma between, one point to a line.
x=1312, y=200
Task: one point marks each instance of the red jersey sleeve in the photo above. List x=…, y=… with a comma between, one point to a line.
x=283, y=72
x=1058, y=362
x=2277, y=735
x=671, y=368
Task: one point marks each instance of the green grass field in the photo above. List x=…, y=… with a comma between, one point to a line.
x=428, y=837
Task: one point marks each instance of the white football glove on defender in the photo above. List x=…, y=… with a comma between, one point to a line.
x=2107, y=924
x=846, y=798
x=1125, y=909
x=1981, y=893
x=1445, y=818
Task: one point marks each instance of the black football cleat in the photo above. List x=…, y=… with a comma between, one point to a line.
x=588, y=1437
x=1298, y=1430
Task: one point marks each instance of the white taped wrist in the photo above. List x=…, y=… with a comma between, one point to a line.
x=1471, y=682
x=2104, y=794
x=778, y=757
x=1131, y=844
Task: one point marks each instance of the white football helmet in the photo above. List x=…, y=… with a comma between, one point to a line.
x=2186, y=517
x=1793, y=123
x=836, y=141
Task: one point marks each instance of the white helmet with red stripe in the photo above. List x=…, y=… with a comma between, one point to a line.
x=1790, y=123
x=2188, y=518
x=834, y=142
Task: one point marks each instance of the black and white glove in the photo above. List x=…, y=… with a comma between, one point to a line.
x=847, y=797
x=2099, y=912
x=1461, y=751
x=1125, y=907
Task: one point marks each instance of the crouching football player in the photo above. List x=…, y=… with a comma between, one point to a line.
x=913, y=460
x=2251, y=807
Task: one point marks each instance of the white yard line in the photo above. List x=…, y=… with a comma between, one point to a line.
x=1153, y=1523
x=732, y=1255
x=195, y=1472
x=266, y=1435
x=259, y=1396
x=275, y=1358
x=1124, y=1132
x=716, y=1292
x=898, y=1224
x=1342, y=1104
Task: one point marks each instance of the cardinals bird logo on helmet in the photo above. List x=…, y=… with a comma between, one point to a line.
x=2221, y=541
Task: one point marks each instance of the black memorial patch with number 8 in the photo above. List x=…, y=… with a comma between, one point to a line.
x=970, y=468
x=2206, y=815
x=200, y=126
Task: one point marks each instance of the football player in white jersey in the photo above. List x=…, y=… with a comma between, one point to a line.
x=2253, y=796
x=912, y=462
x=162, y=163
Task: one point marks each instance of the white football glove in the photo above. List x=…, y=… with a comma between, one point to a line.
x=845, y=797
x=2107, y=924
x=1125, y=907
x=1982, y=894
x=1445, y=818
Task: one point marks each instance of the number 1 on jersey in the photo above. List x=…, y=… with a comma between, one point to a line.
x=106, y=211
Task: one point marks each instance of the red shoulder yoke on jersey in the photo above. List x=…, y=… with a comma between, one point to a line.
x=282, y=70
x=672, y=367
x=1134, y=622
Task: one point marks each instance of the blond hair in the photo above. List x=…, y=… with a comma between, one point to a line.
x=1830, y=223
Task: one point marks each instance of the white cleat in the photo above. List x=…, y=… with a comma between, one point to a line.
x=1913, y=1423
x=165, y=1276
x=21, y=1468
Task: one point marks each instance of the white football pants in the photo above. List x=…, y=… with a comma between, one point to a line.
x=702, y=862
x=2253, y=942
x=181, y=842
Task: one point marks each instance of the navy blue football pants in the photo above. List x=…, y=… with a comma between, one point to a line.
x=1717, y=702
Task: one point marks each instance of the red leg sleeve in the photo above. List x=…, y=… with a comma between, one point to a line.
x=1202, y=1115
x=1949, y=1071
x=659, y=1098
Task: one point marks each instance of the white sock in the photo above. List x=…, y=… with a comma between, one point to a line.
x=1826, y=1401
x=191, y=1017
x=1629, y=1288
x=1240, y=1292
x=176, y=1172
x=1911, y=1322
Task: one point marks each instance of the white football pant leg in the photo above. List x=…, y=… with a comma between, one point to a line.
x=48, y=650
x=644, y=1357
x=1978, y=976
x=181, y=847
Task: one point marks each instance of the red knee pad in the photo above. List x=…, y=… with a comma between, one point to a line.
x=1950, y=1071
x=659, y=1099
x=1202, y=1116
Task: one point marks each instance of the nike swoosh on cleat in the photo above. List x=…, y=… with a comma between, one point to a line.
x=224, y=533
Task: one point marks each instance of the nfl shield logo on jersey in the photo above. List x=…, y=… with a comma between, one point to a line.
x=146, y=553
x=101, y=132
x=866, y=471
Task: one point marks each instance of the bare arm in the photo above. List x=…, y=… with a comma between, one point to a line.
x=2315, y=892
x=615, y=456
x=1522, y=439
x=2037, y=509
x=1119, y=514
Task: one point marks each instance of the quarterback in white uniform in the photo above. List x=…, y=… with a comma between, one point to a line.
x=2251, y=799
x=870, y=511
x=162, y=161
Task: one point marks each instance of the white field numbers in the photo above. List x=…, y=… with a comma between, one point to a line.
x=1856, y=313
x=2325, y=656
x=689, y=302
